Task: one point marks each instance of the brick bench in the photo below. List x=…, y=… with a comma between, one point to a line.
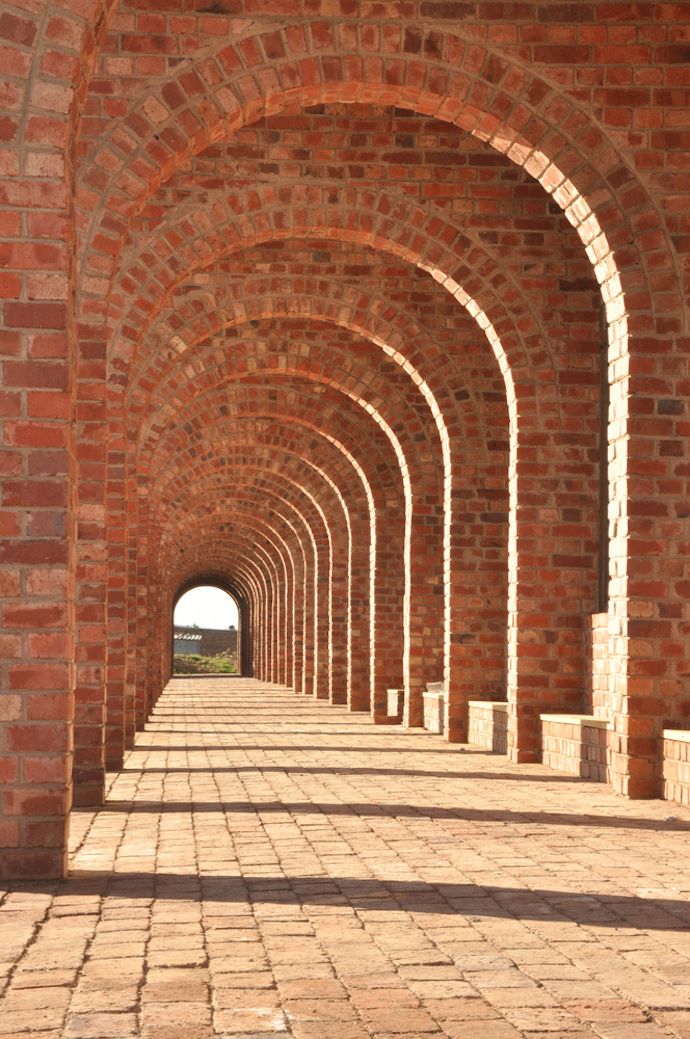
x=435, y=707
x=488, y=725
x=676, y=765
x=576, y=743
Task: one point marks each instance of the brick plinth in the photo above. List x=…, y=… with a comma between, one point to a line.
x=676, y=766
x=488, y=725
x=577, y=744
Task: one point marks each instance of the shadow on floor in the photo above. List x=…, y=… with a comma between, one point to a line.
x=264, y=728
x=400, y=811
x=588, y=909
x=327, y=770
x=450, y=749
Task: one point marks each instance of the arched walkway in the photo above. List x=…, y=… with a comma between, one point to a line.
x=374, y=314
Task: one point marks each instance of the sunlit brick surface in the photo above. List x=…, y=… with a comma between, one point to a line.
x=373, y=314
x=268, y=865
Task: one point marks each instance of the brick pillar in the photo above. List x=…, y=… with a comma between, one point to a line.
x=426, y=613
x=359, y=580
x=36, y=565
x=387, y=618
x=649, y=587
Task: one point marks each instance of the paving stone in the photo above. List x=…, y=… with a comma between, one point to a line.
x=38, y=1020
x=36, y=999
x=100, y=1026
x=237, y=1022
x=327, y=916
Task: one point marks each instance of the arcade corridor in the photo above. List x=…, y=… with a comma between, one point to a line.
x=373, y=315
x=268, y=865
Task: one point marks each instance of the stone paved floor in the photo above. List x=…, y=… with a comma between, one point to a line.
x=267, y=866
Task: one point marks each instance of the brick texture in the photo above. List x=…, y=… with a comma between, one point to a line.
x=370, y=313
x=576, y=746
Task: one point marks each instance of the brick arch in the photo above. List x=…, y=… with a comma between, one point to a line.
x=214, y=561
x=251, y=576
x=421, y=485
x=47, y=56
x=528, y=413
x=233, y=587
x=421, y=236
x=425, y=64
x=366, y=439
x=272, y=559
x=372, y=483
x=326, y=364
x=359, y=516
x=540, y=163
x=374, y=459
x=384, y=502
x=301, y=481
x=217, y=550
x=464, y=661
x=524, y=406
x=144, y=653
x=291, y=504
x=216, y=564
x=433, y=73
x=388, y=496
x=138, y=655
x=401, y=338
x=171, y=340
x=263, y=552
x=558, y=162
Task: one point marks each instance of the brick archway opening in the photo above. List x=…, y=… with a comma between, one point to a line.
x=207, y=622
x=228, y=584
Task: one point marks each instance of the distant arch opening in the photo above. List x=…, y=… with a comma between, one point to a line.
x=206, y=631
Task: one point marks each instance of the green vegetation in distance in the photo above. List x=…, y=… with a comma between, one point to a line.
x=194, y=664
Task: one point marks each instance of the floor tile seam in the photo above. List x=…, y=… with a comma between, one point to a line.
x=381, y=948
x=324, y=949
x=31, y=941
x=257, y=928
x=204, y=935
x=477, y=993
x=102, y=897
x=128, y=824
x=576, y=924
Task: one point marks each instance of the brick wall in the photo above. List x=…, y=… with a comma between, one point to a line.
x=310, y=299
x=598, y=699
x=212, y=642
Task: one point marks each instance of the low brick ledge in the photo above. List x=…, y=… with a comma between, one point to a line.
x=488, y=721
x=435, y=702
x=496, y=705
x=676, y=766
x=576, y=744
x=678, y=735
x=577, y=719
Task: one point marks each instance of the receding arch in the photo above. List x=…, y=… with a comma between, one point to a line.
x=224, y=583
